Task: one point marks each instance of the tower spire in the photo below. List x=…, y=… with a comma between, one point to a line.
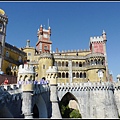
x=48, y=22
x=104, y=36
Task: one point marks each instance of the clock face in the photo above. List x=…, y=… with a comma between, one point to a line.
x=45, y=35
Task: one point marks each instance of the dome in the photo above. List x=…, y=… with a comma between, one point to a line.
x=2, y=12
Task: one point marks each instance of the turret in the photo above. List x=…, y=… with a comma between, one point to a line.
x=3, y=26
x=28, y=43
x=52, y=77
x=44, y=44
x=27, y=74
x=104, y=36
x=45, y=60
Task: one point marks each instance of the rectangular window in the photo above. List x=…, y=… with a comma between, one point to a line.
x=29, y=54
x=45, y=47
x=7, y=54
x=43, y=66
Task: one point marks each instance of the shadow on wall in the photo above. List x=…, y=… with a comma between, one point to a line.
x=5, y=113
x=40, y=108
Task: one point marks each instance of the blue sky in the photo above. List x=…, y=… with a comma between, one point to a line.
x=72, y=25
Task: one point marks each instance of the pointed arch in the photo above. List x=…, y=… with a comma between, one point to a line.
x=66, y=105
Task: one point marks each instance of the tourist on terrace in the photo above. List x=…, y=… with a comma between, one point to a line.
x=43, y=81
x=5, y=81
x=35, y=82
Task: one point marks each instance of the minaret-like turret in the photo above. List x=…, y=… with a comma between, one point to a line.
x=104, y=36
x=3, y=25
x=28, y=43
x=105, y=54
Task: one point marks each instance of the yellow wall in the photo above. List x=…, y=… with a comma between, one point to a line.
x=30, y=50
x=13, y=56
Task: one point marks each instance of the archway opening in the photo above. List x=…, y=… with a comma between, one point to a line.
x=35, y=111
x=69, y=107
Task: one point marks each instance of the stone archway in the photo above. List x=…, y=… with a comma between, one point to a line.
x=35, y=111
x=40, y=108
x=69, y=106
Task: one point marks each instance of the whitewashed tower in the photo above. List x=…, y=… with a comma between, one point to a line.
x=26, y=73
x=52, y=77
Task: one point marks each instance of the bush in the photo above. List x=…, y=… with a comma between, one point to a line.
x=75, y=114
x=69, y=113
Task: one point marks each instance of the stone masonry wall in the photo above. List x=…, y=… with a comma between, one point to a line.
x=96, y=100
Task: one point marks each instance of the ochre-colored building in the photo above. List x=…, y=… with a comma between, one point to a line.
x=10, y=56
x=73, y=65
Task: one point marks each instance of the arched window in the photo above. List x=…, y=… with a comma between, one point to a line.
x=83, y=64
x=66, y=64
x=62, y=64
x=73, y=64
x=76, y=64
x=14, y=73
x=84, y=75
x=73, y=75
x=80, y=64
x=95, y=61
x=102, y=62
x=67, y=75
x=99, y=61
x=7, y=54
x=92, y=63
x=59, y=63
x=63, y=75
x=80, y=75
x=59, y=75
x=77, y=75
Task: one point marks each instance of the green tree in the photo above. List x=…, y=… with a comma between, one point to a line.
x=75, y=114
x=67, y=112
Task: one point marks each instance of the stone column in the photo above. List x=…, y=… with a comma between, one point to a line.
x=27, y=100
x=70, y=71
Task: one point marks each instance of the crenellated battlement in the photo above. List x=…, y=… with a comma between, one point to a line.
x=72, y=51
x=52, y=69
x=10, y=93
x=46, y=55
x=10, y=87
x=26, y=72
x=26, y=68
x=96, y=39
x=85, y=86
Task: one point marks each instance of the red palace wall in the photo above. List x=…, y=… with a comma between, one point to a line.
x=98, y=47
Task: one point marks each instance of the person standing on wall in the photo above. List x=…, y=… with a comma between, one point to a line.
x=6, y=81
